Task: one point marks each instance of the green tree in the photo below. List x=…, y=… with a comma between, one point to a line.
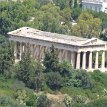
x=6, y=59
x=66, y=13
x=61, y=3
x=51, y=61
x=75, y=3
x=87, y=26
x=54, y=80
x=25, y=67
x=43, y=101
x=38, y=76
x=76, y=13
x=65, y=68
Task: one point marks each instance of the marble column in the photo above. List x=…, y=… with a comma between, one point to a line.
x=15, y=50
x=90, y=60
x=63, y=55
x=72, y=60
x=103, y=60
x=60, y=55
x=37, y=52
x=21, y=50
x=96, y=60
x=84, y=61
x=41, y=52
x=66, y=55
x=78, y=61
x=35, y=46
x=31, y=49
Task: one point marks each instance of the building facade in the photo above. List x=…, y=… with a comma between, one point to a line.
x=78, y=51
x=96, y=5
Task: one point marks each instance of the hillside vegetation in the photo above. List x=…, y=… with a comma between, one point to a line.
x=49, y=83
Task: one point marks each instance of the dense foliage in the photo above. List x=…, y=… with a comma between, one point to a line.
x=26, y=83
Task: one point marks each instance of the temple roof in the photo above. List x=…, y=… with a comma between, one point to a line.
x=54, y=37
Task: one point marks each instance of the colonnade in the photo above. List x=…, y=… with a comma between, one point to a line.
x=38, y=51
x=79, y=60
x=90, y=65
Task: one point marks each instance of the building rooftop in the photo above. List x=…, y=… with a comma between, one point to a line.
x=48, y=36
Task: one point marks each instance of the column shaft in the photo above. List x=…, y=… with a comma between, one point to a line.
x=66, y=55
x=31, y=47
x=15, y=50
x=21, y=49
x=78, y=61
x=103, y=60
x=84, y=61
x=96, y=60
x=90, y=60
x=60, y=55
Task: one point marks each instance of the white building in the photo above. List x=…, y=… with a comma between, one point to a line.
x=78, y=51
x=96, y=5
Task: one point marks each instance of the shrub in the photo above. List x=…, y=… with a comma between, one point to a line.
x=98, y=103
x=54, y=80
x=79, y=78
x=31, y=100
x=79, y=99
x=65, y=68
x=21, y=97
x=4, y=100
x=7, y=101
x=85, y=79
x=68, y=101
x=99, y=77
x=43, y=101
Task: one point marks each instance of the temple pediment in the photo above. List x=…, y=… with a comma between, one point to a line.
x=93, y=41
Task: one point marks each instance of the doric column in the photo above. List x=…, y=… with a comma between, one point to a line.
x=66, y=55
x=63, y=55
x=41, y=52
x=84, y=61
x=21, y=50
x=72, y=59
x=31, y=48
x=60, y=55
x=25, y=47
x=103, y=60
x=78, y=61
x=35, y=46
x=15, y=50
x=38, y=48
x=90, y=60
x=96, y=60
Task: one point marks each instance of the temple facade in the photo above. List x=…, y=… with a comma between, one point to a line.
x=78, y=51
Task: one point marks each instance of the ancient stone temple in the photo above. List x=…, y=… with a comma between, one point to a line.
x=78, y=51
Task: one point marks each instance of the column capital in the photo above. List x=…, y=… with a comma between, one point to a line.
x=90, y=51
x=103, y=50
x=78, y=52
